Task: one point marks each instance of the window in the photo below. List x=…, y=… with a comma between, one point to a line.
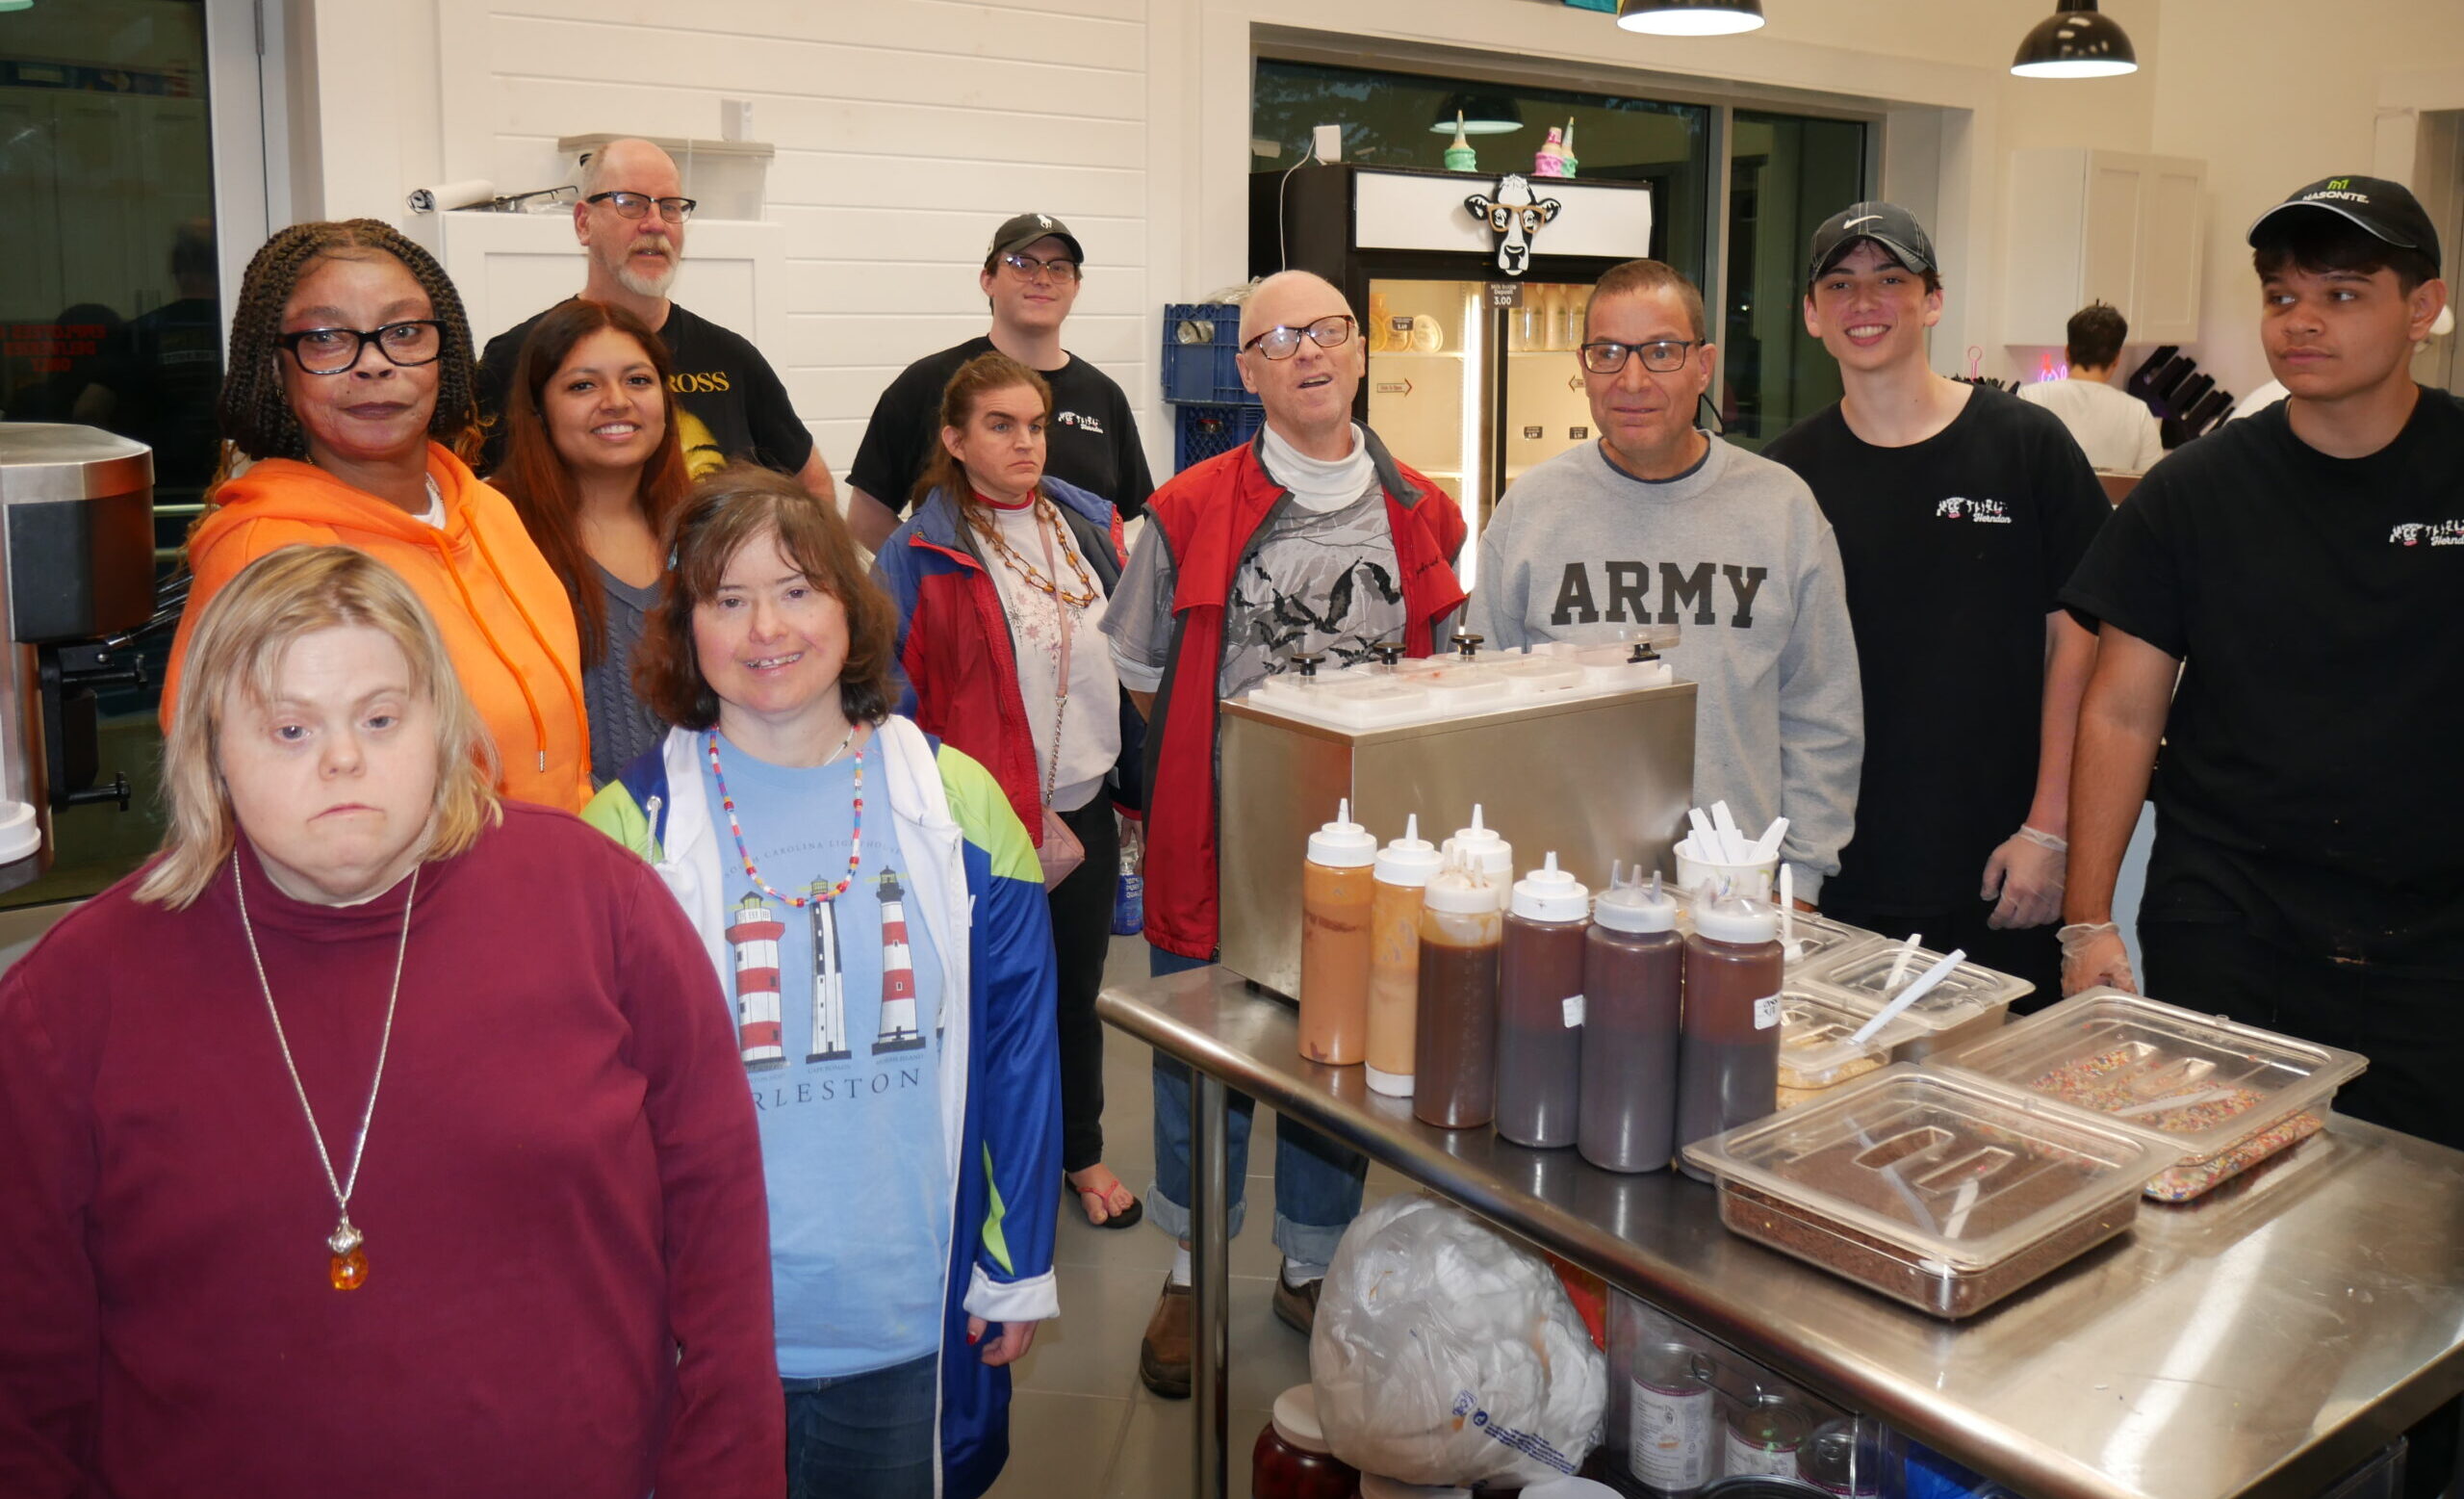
x=1786, y=174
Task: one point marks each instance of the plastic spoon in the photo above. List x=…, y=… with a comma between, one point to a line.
x=1914, y=992
x=1767, y=847
x=1788, y=948
x=1899, y=965
x=2179, y=1100
x=1732, y=843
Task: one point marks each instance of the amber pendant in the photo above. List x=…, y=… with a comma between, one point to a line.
x=347, y=1270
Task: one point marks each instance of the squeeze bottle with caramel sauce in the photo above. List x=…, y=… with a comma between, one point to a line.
x=1632, y=974
x=1336, y=887
x=1401, y=872
x=1728, y=1053
x=1454, y=1054
x=1540, y=1004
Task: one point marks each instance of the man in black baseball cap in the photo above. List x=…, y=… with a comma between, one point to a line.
x=2299, y=570
x=1031, y=277
x=1959, y=511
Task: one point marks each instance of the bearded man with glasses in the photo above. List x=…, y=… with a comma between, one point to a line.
x=630, y=222
x=1309, y=539
x=1031, y=277
x=1660, y=523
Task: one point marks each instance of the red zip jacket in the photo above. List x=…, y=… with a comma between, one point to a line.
x=1210, y=516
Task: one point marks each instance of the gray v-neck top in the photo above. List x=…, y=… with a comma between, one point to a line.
x=621, y=727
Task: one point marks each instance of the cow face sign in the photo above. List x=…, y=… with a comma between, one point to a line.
x=1514, y=216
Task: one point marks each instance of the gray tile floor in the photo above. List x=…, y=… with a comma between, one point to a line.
x=1081, y=1426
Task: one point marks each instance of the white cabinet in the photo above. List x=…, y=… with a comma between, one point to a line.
x=2103, y=226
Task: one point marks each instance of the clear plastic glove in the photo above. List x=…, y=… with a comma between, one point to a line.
x=2023, y=879
x=2093, y=954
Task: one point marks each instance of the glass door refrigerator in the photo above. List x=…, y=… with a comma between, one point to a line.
x=1471, y=331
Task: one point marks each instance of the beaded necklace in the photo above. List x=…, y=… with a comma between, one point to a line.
x=1027, y=571
x=855, y=855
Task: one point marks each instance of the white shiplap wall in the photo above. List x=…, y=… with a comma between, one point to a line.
x=906, y=131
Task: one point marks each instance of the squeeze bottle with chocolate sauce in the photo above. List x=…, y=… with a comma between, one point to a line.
x=1632, y=978
x=1491, y=854
x=1728, y=1054
x=1454, y=1054
x=1400, y=873
x=1540, y=1008
x=1336, y=887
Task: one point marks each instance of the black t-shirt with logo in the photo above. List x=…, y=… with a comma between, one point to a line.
x=733, y=402
x=2308, y=788
x=1091, y=443
x=1956, y=549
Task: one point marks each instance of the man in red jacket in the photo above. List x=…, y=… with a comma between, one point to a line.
x=1310, y=539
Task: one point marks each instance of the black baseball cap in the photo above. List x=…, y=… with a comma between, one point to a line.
x=1887, y=224
x=1016, y=234
x=2386, y=210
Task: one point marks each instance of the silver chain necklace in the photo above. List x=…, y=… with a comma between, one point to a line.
x=347, y=1270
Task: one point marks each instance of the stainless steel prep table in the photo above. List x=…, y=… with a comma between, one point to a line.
x=2260, y=1343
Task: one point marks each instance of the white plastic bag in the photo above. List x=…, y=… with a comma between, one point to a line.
x=1447, y=1353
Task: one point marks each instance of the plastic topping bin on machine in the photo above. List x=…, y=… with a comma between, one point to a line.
x=2224, y=1095
x=1970, y=1001
x=1944, y=1191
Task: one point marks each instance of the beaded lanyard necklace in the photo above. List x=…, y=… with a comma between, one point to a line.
x=1028, y=572
x=855, y=855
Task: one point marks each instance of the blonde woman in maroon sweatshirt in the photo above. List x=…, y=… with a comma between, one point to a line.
x=379, y=1137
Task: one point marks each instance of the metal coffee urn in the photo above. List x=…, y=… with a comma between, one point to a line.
x=76, y=570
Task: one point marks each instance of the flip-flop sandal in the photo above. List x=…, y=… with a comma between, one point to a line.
x=1128, y=1217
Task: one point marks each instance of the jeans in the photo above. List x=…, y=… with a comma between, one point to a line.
x=1082, y=936
x=1317, y=1182
x=863, y=1436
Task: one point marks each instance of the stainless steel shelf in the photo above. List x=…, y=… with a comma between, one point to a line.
x=2260, y=1342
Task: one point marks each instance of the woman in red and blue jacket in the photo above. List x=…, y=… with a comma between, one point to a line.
x=1000, y=577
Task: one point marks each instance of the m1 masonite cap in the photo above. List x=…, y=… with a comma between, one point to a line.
x=1016, y=234
x=2387, y=210
x=1887, y=224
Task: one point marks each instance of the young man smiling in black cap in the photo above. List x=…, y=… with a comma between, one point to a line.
x=2300, y=568
x=1031, y=276
x=1960, y=511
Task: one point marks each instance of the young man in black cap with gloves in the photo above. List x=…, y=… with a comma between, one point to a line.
x=1960, y=511
x=1031, y=276
x=2301, y=569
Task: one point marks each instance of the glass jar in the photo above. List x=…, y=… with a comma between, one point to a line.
x=1292, y=1459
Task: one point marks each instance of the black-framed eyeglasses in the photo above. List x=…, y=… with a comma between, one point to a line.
x=1061, y=267
x=1661, y=356
x=333, y=350
x=1331, y=331
x=633, y=205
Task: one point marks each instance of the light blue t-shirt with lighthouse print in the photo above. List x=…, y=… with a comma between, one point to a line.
x=838, y=1022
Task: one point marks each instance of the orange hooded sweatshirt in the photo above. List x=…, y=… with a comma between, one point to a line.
x=505, y=619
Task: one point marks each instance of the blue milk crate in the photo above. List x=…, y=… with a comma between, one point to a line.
x=1200, y=342
x=1201, y=431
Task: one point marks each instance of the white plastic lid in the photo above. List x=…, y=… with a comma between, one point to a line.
x=1635, y=907
x=20, y=831
x=1550, y=894
x=1488, y=848
x=1343, y=844
x=1570, y=1488
x=1462, y=888
x=1733, y=918
x=1409, y=860
x=1296, y=1420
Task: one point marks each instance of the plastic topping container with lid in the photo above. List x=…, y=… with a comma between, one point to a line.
x=2225, y=1094
x=1818, y=1048
x=1941, y=1190
x=1970, y=1000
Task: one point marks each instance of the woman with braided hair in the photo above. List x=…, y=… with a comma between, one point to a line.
x=350, y=414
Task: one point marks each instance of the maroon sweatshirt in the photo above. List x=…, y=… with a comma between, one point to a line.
x=568, y=1284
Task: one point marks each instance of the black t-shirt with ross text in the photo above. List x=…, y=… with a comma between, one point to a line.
x=733, y=402
x=1956, y=549
x=1091, y=443
x=2307, y=789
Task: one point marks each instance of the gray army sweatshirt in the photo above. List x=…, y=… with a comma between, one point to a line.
x=1737, y=556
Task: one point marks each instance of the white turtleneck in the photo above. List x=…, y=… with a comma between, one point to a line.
x=1316, y=484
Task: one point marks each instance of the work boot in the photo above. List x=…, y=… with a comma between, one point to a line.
x=1164, y=1353
x=1296, y=1306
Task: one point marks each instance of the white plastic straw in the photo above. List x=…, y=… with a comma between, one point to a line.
x=1914, y=992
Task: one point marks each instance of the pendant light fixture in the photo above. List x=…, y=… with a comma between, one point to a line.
x=1483, y=115
x=1689, y=17
x=2075, y=42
